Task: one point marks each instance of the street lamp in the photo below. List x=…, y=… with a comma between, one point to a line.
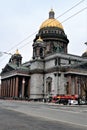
x=85, y=43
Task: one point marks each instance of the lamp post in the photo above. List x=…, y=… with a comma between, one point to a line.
x=85, y=43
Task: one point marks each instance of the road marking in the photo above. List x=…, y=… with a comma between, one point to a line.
x=64, y=110
x=44, y=116
x=48, y=118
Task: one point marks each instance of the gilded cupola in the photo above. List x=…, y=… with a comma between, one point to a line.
x=52, y=33
x=51, y=21
x=16, y=58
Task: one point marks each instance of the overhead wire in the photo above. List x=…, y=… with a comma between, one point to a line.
x=61, y=22
x=48, y=23
x=74, y=14
x=64, y=20
x=71, y=8
x=56, y=18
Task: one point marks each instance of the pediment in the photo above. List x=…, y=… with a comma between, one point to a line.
x=8, y=68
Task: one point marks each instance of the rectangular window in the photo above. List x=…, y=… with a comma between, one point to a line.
x=58, y=61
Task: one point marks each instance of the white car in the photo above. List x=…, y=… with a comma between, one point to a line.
x=74, y=102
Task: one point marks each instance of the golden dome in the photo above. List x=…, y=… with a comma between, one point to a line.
x=51, y=21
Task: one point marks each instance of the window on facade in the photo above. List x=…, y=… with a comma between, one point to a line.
x=47, y=47
x=69, y=61
x=56, y=62
x=48, y=85
x=56, y=31
x=43, y=31
x=41, y=52
x=67, y=88
x=46, y=31
x=59, y=32
x=61, y=49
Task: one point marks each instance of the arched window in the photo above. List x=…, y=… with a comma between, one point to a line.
x=48, y=85
x=56, y=62
x=41, y=52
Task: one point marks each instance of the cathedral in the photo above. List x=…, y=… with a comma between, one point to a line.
x=52, y=71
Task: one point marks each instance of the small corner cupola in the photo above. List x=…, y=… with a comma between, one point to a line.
x=51, y=14
x=84, y=55
x=16, y=58
x=17, y=52
x=38, y=49
x=39, y=40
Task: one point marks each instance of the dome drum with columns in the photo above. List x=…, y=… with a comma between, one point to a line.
x=53, y=35
x=51, y=71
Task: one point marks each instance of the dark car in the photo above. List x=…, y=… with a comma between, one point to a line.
x=62, y=101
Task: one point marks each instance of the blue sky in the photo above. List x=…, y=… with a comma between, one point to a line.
x=21, y=18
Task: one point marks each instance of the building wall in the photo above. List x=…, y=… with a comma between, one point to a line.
x=53, y=88
x=36, y=64
x=36, y=86
x=58, y=83
x=0, y=90
x=38, y=81
x=42, y=69
x=65, y=58
x=49, y=64
x=62, y=80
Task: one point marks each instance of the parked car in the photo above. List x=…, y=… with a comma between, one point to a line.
x=62, y=101
x=74, y=102
x=83, y=102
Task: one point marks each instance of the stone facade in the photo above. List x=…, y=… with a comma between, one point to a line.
x=52, y=71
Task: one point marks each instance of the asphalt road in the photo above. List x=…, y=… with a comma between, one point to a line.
x=38, y=116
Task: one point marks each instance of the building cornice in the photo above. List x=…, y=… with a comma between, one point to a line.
x=13, y=73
